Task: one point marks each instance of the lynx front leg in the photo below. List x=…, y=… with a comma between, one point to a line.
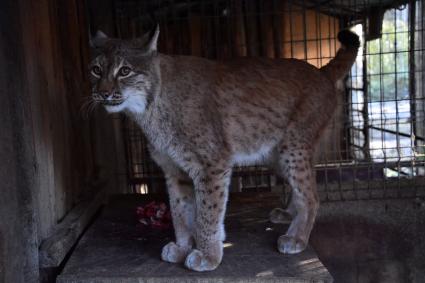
x=211, y=197
x=182, y=203
x=297, y=169
x=181, y=196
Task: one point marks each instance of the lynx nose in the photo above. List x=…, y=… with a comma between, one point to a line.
x=105, y=88
x=104, y=94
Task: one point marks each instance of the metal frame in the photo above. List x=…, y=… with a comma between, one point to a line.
x=343, y=175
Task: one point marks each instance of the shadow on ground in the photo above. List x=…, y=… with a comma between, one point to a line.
x=372, y=241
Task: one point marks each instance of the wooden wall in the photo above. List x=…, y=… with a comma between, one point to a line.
x=275, y=29
x=56, y=56
x=18, y=238
x=72, y=159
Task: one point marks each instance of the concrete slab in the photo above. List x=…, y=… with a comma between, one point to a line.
x=118, y=250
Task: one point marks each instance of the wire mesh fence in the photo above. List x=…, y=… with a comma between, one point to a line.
x=375, y=145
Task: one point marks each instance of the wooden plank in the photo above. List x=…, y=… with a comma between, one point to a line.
x=34, y=38
x=55, y=247
x=116, y=249
x=239, y=41
x=251, y=28
x=278, y=21
x=195, y=35
x=266, y=28
x=18, y=231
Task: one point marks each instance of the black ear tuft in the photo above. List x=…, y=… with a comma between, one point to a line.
x=349, y=39
x=140, y=42
x=98, y=40
x=153, y=43
x=147, y=43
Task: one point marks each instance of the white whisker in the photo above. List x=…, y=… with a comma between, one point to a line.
x=87, y=108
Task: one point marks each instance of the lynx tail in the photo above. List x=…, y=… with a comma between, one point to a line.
x=339, y=66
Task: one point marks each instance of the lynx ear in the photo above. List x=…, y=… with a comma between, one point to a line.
x=146, y=43
x=98, y=40
x=100, y=34
x=152, y=45
x=140, y=42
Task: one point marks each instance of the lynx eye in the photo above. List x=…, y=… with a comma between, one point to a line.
x=96, y=70
x=124, y=71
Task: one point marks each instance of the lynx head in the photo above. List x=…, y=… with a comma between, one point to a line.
x=124, y=74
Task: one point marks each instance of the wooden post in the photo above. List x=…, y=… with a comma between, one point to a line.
x=251, y=27
x=266, y=28
x=277, y=18
x=18, y=178
x=239, y=41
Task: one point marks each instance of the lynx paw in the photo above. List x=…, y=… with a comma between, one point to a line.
x=197, y=261
x=278, y=215
x=174, y=253
x=290, y=245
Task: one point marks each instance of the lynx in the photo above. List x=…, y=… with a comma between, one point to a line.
x=201, y=117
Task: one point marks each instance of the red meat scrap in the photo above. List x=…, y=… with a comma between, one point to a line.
x=155, y=215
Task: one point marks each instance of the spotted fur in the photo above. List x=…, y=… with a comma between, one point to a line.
x=202, y=117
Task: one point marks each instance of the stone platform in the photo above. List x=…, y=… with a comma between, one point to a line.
x=116, y=249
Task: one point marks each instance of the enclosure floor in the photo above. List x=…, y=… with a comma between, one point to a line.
x=118, y=249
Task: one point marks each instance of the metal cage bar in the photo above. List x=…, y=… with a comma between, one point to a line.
x=376, y=147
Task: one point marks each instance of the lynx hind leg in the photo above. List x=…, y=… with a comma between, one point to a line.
x=283, y=216
x=182, y=200
x=296, y=167
x=279, y=215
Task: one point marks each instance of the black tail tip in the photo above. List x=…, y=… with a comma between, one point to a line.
x=349, y=38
